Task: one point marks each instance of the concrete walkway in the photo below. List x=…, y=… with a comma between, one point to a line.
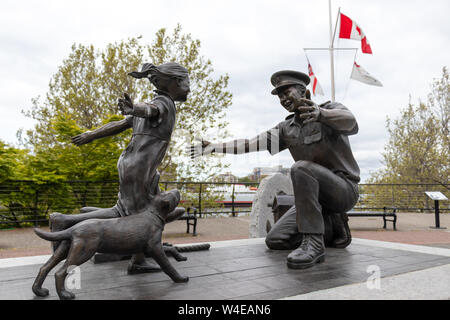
x=247, y=270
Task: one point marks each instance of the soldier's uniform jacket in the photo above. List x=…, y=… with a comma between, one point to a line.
x=324, y=142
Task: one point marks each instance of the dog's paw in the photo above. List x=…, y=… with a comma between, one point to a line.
x=181, y=279
x=179, y=257
x=40, y=292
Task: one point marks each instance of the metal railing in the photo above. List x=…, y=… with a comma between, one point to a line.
x=404, y=197
x=26, y=203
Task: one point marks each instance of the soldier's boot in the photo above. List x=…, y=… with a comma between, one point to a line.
x=342, y=236
x=310, y=252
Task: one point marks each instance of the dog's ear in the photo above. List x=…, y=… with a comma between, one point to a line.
x=165, y=205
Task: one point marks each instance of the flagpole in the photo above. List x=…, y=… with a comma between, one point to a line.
x=335, y=27
x=333, y=94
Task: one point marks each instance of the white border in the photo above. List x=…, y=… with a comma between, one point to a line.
x=23, y=261
x=403, y=246
x=428, y=284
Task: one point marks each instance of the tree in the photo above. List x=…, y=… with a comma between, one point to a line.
x=246, y=179
x=418, y=150
x=13, y=199
x=83, y=95
x=11, y=161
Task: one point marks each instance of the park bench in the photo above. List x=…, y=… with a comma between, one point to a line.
x=283, y=202
x=191, y=220
x=387, y=212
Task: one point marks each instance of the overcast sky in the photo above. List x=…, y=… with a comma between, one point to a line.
x=249, y=40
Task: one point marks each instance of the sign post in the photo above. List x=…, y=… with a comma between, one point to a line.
x=436, y=196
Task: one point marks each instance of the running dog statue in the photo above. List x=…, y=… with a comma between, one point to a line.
x=139, y=233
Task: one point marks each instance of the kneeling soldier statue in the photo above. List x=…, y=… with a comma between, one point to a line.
x=324, y=175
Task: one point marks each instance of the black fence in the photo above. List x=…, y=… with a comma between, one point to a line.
x=27, y=203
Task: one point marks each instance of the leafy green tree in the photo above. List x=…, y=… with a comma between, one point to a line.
x=11, y=162
x=418, y=150
x=246, y=179
x=13, y=199
x=83, y=95
x=64, y=161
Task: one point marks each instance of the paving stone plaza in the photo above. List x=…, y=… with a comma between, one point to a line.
x=246, y=269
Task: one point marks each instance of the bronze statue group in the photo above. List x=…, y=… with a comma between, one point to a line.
x=324, y=177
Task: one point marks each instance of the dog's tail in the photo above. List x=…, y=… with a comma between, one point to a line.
x=53, y=236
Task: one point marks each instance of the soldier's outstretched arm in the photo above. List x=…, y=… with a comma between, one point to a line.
x=268, y=140
x=107, y=130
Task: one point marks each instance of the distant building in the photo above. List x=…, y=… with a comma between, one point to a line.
x=261, y=172
x=225, y=177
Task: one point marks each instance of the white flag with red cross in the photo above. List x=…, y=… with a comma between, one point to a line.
x=316, y=88
x=363, y=76
x=350, y=30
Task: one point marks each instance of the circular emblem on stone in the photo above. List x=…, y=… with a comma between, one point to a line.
x=262, y=218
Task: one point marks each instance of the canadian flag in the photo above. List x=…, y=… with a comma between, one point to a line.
x=316, y=88
x=359, y=74
x=350, y=30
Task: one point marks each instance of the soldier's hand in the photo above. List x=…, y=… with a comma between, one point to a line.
x=308, y=110
x=200, y=149
x=126, y=105
x=83, y=138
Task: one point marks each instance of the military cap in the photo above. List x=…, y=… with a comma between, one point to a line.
x=288, y=77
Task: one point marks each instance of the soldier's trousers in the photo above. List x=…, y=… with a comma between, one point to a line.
x=317, y=191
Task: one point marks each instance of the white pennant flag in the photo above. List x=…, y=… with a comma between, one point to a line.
x=363, y=76
x=316, y=88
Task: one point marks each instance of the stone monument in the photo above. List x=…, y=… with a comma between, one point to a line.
x=261, y=217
